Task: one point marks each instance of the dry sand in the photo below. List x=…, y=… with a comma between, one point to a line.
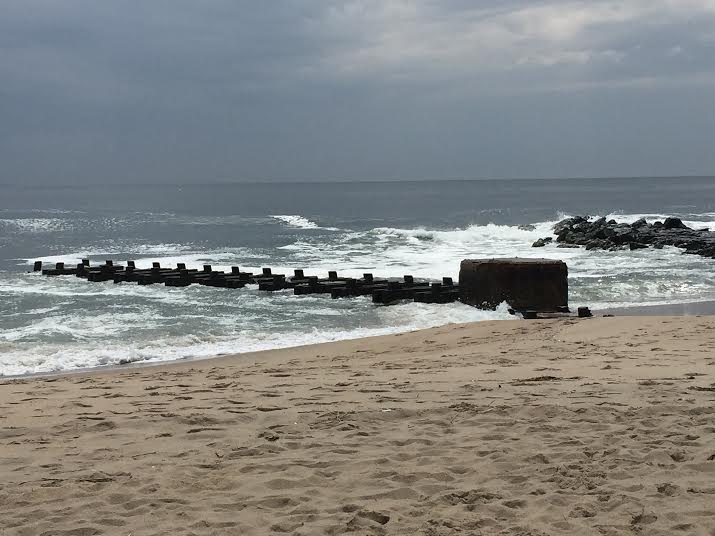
x=599, y=426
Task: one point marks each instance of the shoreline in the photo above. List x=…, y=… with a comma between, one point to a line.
x=561, y=426
x=705, y=308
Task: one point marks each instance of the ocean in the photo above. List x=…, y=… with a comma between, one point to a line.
x=388, y=228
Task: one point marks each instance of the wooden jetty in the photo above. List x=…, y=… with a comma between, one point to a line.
x=383, y=291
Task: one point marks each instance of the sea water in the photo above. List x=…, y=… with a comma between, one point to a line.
x=388, y=228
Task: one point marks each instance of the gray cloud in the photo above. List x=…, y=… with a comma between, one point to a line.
x=295, y=89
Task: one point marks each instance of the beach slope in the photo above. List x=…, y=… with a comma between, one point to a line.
x=597, y=426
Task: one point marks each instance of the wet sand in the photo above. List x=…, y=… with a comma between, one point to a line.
x=674, y=309
x=597, y=426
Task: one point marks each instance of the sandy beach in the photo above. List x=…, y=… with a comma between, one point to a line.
x=597, y=426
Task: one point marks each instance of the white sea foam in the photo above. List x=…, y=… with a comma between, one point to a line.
x=422, y=252
x=696, y=221
x=299, y=222
x=166, y=251
x=48, y=357
x=52, y=225
x=597, y=277
x=36, y=225
x=77, y=327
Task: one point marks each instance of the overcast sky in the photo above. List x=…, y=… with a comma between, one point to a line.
x=229, y=90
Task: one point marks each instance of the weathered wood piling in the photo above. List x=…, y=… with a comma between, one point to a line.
x=383, y=291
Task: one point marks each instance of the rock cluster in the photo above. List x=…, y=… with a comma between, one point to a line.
x=610, y=235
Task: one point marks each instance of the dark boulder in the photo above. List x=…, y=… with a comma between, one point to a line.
x=637, y=245
x=597, y=232
x=674, y=223
x=541, y=242
x=569, y=223
x=598, y=244
x=622, y=235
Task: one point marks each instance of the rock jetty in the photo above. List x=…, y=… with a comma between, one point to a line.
x=610, y=235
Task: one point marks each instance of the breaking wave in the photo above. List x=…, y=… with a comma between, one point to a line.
x=66, y=323
x=299, y=222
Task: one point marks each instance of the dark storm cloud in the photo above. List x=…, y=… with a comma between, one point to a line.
x=224, y=90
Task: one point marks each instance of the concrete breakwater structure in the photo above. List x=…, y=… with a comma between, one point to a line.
x=538, y=285
x=531, y=287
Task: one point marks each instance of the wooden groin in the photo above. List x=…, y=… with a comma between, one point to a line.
x=384, y=291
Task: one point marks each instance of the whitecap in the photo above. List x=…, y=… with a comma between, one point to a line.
x=299, y=222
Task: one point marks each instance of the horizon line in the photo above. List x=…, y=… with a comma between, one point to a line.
x=342, y=181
